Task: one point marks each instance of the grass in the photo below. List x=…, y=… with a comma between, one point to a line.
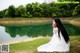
x=35, y=20
x=73, y=21
x=73, y=28
x=19, y=21
x=22, y=18
x=31, y=46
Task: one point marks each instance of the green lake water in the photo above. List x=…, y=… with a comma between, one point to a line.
x=14, y=33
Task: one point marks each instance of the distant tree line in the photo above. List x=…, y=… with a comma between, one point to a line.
x=42, y=10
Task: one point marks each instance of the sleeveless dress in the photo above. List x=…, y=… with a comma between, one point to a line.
x=56, y=44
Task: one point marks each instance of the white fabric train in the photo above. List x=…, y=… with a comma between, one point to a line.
x=56, y=44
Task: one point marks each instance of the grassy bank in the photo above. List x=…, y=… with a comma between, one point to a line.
x=35, y=20
x=72, y=26
x=31, y=46
x=22, y=18
x=24, y=21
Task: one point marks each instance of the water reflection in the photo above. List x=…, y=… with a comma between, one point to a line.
x=39, y=30
x=20, y=33
x=30, y=30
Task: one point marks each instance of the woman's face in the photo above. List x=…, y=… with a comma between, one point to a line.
x=54, y=24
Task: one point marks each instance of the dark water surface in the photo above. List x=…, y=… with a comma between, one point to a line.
x=21, y=33
x=14, y=33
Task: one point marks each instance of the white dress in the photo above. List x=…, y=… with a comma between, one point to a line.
x=56, y=44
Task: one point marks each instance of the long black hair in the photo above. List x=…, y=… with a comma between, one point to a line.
x=61, y=29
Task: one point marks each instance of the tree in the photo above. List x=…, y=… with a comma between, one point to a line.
x=64, y=0
x=1, y=14
x=17, y=13
x=11, y=11
x=76, y=10
x=54, y=10
x=37, y=10
x=69, y=0
x=29, y=9
x=46, y=9
x=21, y=11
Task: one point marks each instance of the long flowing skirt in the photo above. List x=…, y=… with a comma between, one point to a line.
x=56, y=44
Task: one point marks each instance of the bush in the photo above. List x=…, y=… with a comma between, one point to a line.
x=76, y=10
x=54, y=15
x=42, y=10
x=28, y=15
x=1, y=14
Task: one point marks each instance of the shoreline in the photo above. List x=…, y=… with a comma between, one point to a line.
x=73, y=21
x=15, y=42
x=24, y=21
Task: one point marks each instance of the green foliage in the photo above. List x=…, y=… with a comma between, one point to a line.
x=30, y=30
x=31, y=46
x=1, y=14
x=11, y=11
x=69, y=0
x=22, y=10
x=17, y=13
x=76, y=11
x=37, y=10
x=28, y=15
x=59, y=9
x=46, y=10
x=35, y=30
x=29, y=9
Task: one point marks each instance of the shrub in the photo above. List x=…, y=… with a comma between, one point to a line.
x=76, y=10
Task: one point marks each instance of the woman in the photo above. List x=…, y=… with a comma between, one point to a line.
x=60, y=40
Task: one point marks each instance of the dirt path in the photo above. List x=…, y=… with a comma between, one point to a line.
x=74, y=21
x=24, y=21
